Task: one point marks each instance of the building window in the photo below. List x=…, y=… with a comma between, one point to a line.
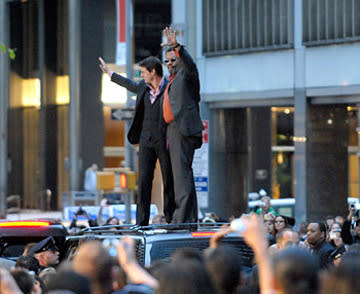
x=236, y=26
x=330, y=21
x=283, y=152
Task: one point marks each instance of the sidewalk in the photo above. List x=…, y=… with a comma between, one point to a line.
x=34, y=214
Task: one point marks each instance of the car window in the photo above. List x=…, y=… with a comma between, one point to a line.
x=163, y=250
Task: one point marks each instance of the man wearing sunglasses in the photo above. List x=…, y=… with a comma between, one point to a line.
x=180, y=109
x=148, y=131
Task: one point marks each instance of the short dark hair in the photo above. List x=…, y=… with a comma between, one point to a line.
x=187, y=252
x=322, y=226
x=344, y=278
x=151, y=63
x=295, y=269
x=28, y=262
x=281, y=233
x=184, y=276
x=23, y=280
x=224, y=267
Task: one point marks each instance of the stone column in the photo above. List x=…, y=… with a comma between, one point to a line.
x=228, y=162
x=327, y=162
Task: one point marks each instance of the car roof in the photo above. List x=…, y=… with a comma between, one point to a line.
x=32, y=228
x=161, y=240
x=14, y=235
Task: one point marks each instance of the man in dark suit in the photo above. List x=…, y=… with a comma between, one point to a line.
x=184, y=126
x=147, y=131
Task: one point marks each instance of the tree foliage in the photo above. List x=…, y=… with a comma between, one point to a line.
x=5, y=50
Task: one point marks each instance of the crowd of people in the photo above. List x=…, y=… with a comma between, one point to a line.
x=324, y=259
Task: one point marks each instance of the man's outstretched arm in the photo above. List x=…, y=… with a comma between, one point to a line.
x=119, y=79
x=188, y=64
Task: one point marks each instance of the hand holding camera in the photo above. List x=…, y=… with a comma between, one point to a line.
x=80, y=212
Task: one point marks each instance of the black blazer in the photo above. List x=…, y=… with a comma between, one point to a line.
x=139, y=88
x=184, y=93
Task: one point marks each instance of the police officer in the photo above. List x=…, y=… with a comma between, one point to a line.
x=46, y=253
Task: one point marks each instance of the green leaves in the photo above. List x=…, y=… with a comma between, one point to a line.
x=12, y=54
x=10, y=51
x=2, y=48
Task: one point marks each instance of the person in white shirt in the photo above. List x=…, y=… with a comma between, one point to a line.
x=90, y=178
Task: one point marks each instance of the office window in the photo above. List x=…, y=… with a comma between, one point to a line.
x=236, y=26
x=330, y=21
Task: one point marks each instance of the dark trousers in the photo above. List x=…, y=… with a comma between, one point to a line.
x=147, y=163
x=181, y=149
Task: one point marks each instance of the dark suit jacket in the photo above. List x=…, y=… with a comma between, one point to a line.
x=323, y=251
x=139, y=88
x=184, y=93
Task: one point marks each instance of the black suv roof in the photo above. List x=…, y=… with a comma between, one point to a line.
x=14, y=235
x=158, y=242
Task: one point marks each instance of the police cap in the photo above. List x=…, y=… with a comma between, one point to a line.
x=44, y=245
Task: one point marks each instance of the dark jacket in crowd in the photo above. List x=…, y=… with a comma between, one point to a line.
x=323, y=251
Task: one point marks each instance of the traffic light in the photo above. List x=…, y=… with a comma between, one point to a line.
x=105, y=180
x=127, y=180
x=123, y=181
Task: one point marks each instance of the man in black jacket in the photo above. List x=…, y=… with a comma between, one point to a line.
x=316, y=238
x=147, y=131
x=184, y=126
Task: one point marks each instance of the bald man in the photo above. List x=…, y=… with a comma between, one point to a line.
x=94, y=262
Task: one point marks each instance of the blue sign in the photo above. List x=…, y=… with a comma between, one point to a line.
x=201, y=184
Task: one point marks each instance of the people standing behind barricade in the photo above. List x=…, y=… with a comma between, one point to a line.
x=265, y=206
x=90, y=178
x=111, y=220
x=75, y=227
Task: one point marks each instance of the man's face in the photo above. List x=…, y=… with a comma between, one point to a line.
x=266, y=203
x=289, y=239
x=329, y=222
x=314, y=236
x=49, y=257
x=146, y=75
x=171, y=62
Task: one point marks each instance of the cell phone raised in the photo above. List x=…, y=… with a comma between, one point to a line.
x=80, y=211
